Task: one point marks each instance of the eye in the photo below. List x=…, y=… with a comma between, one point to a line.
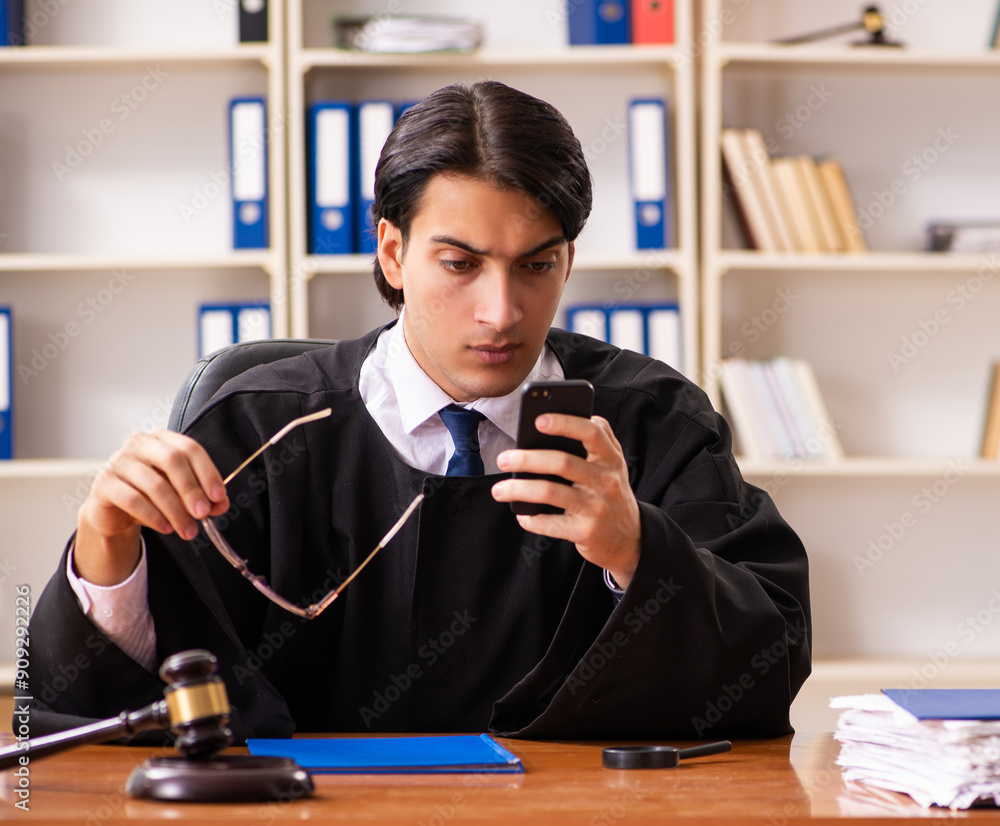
x=540, y=266
x=457, y=265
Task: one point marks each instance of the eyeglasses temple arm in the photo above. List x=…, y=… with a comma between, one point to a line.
x=316, y=609
x=277, y=437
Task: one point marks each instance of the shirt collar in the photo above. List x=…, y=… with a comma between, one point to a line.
x=420, y=398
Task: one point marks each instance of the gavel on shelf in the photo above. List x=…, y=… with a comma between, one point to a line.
x=195, y=707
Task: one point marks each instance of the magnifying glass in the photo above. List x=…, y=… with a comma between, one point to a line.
x=656, y=757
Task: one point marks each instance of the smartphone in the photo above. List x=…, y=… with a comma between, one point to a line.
x=575, y=397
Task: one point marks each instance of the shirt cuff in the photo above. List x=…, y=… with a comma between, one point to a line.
x=120, y=611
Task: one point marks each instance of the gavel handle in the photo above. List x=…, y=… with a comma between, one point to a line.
x=128, y=722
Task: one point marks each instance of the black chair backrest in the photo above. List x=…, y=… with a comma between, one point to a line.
x=215, y=369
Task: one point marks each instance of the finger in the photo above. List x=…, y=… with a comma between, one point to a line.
x=593, y=432
x=536, y=491
x=550, y=462
x=186, y=467
x=147, y=496
x=208, y=479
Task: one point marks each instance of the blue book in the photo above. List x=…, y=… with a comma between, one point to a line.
x=463, y=753
x=248, y=157
x=221, y=325
x=593, y=22
x=649, y=177
x=948, y=703
x=332, y=158
x=12, y=20
x=374, y=123
x=6, y=385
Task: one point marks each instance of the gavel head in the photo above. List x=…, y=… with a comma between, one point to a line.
x=196, y=703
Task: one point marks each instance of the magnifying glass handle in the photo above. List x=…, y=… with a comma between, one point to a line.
x=707, y=748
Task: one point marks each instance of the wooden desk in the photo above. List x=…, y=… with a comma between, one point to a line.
x=773, y=782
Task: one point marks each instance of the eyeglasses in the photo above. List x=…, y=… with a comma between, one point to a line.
x=259, y=582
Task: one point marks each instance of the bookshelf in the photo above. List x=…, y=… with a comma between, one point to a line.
x=899, y=531
x=332, y=296
x=113, y=118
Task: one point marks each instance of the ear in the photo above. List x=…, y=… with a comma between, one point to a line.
x=390, y=253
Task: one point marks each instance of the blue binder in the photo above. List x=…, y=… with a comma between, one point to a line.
x=332, y=169
x=220, y=325
x=648, y=173
x=374, y=122
x=253, y=21
x=248, y=158
x=602, y=22
x=588, y=320
x=6, y=385
x=12, y=20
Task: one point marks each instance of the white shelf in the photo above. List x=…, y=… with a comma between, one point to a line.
x=49, y=468
x=846, y=57
x=79, y=57
x=928, y=262
x=576, y=56
x=68, y=262
x=870, y=466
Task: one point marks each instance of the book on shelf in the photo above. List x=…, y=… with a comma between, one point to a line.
x=748, y=199
x=938, y=745
x=842, y=202
x=762, y=170
x=964, y=237
x=788, y=203
x=795, y=196
x=994, y=41
x=990, y=445
x=828, y=232
x=777, y=411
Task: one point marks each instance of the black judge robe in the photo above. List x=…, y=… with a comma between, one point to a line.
x=464, y=622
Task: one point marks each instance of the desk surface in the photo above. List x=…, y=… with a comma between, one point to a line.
x=772, y=782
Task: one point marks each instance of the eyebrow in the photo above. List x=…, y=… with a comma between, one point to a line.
x=555, y=241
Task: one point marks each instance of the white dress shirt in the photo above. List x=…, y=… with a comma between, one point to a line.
x=404, y=401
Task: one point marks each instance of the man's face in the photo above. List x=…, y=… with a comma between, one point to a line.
x=482, y=275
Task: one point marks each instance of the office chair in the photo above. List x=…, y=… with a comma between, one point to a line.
x=214, y=370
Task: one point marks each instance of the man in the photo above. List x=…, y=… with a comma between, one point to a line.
x=669, y=599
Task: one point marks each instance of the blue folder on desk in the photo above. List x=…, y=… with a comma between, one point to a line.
x=458, y=753
x=948, y=703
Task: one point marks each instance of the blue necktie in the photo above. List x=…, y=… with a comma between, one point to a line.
x=463, y=425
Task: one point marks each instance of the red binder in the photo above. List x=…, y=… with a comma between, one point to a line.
x=652, y=21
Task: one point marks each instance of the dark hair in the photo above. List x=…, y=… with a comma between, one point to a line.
x=489, y=132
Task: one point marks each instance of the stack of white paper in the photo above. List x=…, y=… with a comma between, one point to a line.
x=408, y=34
x=938, y=762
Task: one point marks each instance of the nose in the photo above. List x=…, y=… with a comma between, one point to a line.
x=498, y=301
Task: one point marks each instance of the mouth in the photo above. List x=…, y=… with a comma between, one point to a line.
x=495, y=353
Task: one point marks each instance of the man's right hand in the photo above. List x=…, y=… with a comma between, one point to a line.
x=161, y=480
